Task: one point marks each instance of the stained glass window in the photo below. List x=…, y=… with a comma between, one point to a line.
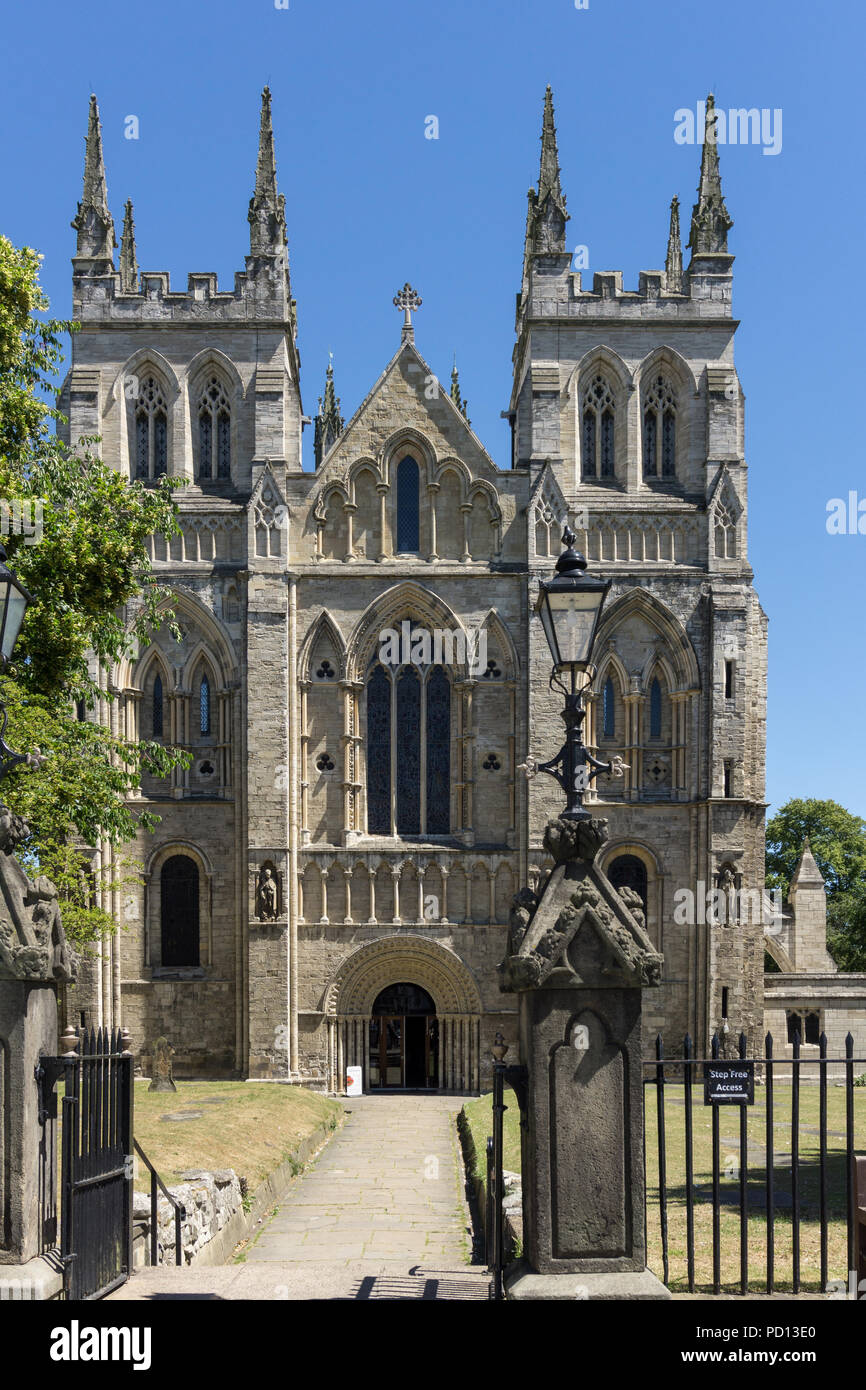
x=179, y=911
x=214, y=432
x=608, y=708
x=408, y=739
x=204, y=706
x=151, y=431
x=607, y=468
x=649, y=444
x=669, y=435
x=408, y=521
x=655, y=710
x=438, y=753
x=160, y=446
x=379, y=753
x=588, y=470
x=157, y=707
x=598, y=418
x=205, y=439
x=660, y=431
x=142, y=430
x=224, y=446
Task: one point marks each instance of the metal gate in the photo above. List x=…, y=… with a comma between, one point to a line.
x=96, y=1165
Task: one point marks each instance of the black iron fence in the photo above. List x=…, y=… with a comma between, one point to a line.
x=782, y=1188
x=156, y=1186
x=96, y=1165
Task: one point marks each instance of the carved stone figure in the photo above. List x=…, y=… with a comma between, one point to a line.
x=33, y=944
x=267, y=895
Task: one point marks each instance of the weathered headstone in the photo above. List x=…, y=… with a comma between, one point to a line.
x=162, y=1079
x=34, y=958
x=579, y=959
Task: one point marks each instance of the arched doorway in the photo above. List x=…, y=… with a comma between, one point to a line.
x=404, y=1039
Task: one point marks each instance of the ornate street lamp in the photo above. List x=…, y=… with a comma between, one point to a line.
x=14, y=599
x=569, y=607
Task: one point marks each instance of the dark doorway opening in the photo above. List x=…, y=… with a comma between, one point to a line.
x=404, y=1040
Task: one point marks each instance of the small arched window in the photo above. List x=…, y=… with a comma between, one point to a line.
x=660, y=431
x=408, y=507
x=204, y=706
x=151, y=430
x=157, y=707
x=598, y=431
x=214, y=433
x=179, y=911
x=608, y=710
x=655, y=709
x=627, y=871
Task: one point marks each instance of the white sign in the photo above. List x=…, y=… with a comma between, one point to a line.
x=354, y=1081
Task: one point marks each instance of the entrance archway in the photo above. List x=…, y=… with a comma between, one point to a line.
x=404, y=1039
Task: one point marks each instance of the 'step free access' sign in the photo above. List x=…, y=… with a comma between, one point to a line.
x=729, y=1083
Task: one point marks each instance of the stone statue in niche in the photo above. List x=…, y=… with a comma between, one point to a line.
x=33, y=944
x=267, y=896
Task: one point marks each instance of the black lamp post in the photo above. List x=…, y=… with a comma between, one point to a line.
x=14, y=599
x=569, y=607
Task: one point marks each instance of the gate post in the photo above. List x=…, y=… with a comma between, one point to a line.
x=34, y=958
x=578, y=958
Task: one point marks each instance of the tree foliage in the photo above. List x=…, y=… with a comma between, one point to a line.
x=838, y=841
x=87, y=572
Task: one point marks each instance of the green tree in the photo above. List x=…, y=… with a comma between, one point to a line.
x=838, y=841
x=87, y=573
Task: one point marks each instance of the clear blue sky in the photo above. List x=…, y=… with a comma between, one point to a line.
x=370, y=203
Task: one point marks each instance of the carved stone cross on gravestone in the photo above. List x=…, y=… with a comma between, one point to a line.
x=579, y=958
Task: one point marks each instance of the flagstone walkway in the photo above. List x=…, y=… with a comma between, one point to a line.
x=380, y=1214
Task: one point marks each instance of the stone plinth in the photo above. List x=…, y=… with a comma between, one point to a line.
x=28, y=1030
x=579, y=960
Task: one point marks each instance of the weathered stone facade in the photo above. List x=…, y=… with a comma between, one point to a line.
x=390, y=810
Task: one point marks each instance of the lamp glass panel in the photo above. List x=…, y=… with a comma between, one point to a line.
x=573, y=615
x=13, y=606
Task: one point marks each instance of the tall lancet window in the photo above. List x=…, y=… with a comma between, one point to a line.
x=214, y=433
x=597, y=459
x=157, y=707
x=655, y=709
x=204, y=706
x=408, y=751
x=608, y=710
x=151, y=430
x=660, y=431
x=408, y=507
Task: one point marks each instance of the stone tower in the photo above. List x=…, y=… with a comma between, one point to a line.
x=331, y=879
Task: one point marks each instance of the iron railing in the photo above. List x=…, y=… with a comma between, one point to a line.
x=156, y=1182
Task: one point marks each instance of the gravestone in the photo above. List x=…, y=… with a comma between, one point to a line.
x=34, y=959
x=579, y=958
x=162, y=1079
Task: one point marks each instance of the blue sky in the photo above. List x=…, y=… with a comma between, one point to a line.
x=371, y=203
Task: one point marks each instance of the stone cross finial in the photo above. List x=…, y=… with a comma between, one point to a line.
x=407, y=299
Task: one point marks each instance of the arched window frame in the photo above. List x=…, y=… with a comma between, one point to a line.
x=213, y=431
x=150, y=442
x=407, y=510
x=598, y=430
x=179, y=877
x=659, y=430
x=419, y=699
x=205, y=692
x=655, y=708
x=608, y=709
x=725, y=532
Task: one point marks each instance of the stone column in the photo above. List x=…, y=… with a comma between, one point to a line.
x=579, y=960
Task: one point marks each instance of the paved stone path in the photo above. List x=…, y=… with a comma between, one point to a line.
x=380, y=1214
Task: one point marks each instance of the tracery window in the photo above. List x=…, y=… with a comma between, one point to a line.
x=214, y=433
x=408, y=506
x=151, y=430
x=660, y=431
x=408, y=751
x=204, y=706
x=598, y=431
x=726, y=533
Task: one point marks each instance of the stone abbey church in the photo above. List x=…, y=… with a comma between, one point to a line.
x=331, y=878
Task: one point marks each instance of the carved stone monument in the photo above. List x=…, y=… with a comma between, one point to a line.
x=34, y=959
x=579, y=957
x=162, y=1079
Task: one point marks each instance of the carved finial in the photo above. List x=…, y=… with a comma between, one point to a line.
x=69, y=1041
x=329, y=421
x=126, y=1041
x=407, y=299
x=460, y=401
x=674, y=259
x=93, y=221
x=128, y=262
x=546, y=214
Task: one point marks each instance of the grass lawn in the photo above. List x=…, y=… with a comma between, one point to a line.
x=479, y=1118
x=248, y=1126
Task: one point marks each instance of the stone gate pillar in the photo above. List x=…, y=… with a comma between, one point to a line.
x=579, y=958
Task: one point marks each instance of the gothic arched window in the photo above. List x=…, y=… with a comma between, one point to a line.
x=598, y=431
x=725, y=533
x=655, y=709
x=157, y=707
x=408, y=751
x=608, y=710
x=214, y=433
x=627, y=871
x=204, y=706
x=151, y=430
x=408, y=506
x=660, y=431
x=179, y=911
